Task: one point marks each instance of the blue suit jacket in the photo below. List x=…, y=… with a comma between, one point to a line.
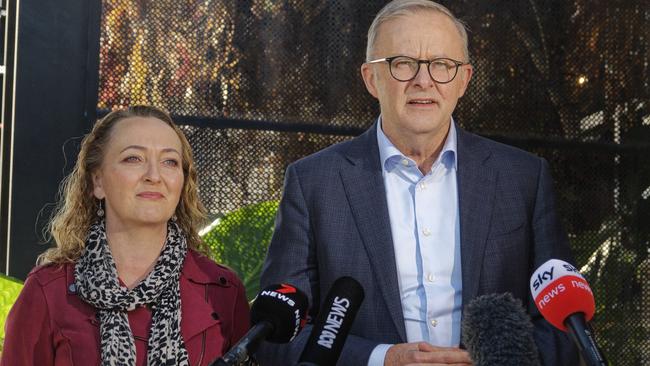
x=333, y=221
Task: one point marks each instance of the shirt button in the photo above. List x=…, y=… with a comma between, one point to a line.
x=422, y=186
x=405, y=162
x=430, y=277
x=426, y=231
x=434, y=322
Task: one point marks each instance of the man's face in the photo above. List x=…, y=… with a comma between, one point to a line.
x=421, y=106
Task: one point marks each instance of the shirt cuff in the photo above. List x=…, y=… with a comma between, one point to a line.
x=378, y=355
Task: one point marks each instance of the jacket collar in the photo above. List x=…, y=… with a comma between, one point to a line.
x=191, y=271
x=196, y=312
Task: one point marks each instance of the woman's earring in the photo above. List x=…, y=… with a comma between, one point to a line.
x=100, y=210
x=174, y=218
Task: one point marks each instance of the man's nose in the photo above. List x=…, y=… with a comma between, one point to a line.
x=423, y=78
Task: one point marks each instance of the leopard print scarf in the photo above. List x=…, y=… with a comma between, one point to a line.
x=97, y=284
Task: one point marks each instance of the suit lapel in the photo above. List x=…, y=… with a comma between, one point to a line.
x=364, y=188
x=476, y=191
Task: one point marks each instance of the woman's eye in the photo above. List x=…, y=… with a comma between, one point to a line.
x=171, y=162
x=132, y=159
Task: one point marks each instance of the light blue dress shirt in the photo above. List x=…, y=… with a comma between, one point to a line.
x=425, y=225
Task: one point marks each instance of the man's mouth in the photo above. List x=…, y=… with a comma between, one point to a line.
x=421, y=101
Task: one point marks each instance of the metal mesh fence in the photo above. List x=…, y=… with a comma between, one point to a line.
x=257, y=84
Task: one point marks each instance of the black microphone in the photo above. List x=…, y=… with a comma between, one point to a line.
x=497, y=331
x=333, y=323
x=277, y=315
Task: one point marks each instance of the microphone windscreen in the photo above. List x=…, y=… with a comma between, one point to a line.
x=285, y=307
x=333, y=323
x=497, y=331
x=559, y=290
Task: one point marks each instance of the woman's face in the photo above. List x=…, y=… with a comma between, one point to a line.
x=141, y=176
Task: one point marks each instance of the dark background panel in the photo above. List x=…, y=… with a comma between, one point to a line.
x=54, y=89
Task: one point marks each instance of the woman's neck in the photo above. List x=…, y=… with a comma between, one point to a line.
x=135, y=250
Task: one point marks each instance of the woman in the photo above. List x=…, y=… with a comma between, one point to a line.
x=125, y=284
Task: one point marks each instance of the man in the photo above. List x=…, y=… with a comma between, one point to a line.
x=423, y=214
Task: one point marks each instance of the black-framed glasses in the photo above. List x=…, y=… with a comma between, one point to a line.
x=403, y=68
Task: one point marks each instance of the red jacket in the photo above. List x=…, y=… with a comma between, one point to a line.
x=50, y=325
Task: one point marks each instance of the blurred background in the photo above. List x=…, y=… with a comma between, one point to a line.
x=257, y=84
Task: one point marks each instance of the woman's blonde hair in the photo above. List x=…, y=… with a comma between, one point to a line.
x=77, y=206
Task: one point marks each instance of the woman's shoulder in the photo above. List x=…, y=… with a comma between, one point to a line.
x=200, y=268
x=50, y=282
x=47, y=274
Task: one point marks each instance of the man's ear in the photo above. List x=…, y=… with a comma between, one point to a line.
x=368, y=75
x=465, y=74
x=98, y=188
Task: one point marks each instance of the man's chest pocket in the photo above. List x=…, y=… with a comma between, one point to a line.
x=508, y=217
x=508, y=237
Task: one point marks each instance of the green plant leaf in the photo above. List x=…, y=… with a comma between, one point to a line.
x=9, y=290
x=240, y=239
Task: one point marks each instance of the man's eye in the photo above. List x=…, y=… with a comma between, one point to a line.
x=442, y=65
x=404, y=64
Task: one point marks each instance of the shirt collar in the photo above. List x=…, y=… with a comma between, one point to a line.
x=390, y=156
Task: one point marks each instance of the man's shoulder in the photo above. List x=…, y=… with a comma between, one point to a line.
x=335, y=154
x=500, y=152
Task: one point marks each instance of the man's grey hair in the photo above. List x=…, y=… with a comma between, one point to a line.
x=400, y=8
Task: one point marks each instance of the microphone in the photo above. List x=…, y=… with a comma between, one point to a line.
x=277, y=315
x=333, y=323
x=497, y=331
x=565, y=300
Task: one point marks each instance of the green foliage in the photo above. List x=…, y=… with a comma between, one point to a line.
x=240, y=239
x=9, y=290
x=615, y=274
